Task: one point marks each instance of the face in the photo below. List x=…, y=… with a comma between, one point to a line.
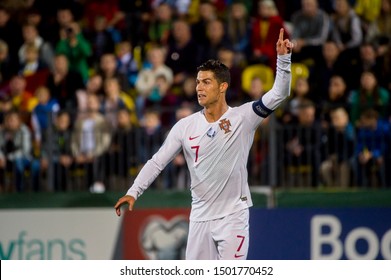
x=330, y=51
x=339, y=118
x=342, y=6
x=156, y=57
x=163, y=12
x=238, y=10
x=61, y=64
x=94, y=83
x=17, y=84
x=63, y=122
x=42, y=95
x=93, y=103
x=112, y=88
x=306, y=115
x=337, y=87
x=302, y=87
x=215, y=30
x=29, y=33
x=13, y=122
x=209, y=91
x=368, y=81
x=32, y=55
x=256, y=88
x=108, y=62
x=123, y=118
x=309, y=7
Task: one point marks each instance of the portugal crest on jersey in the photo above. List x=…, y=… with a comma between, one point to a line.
x=225, y=125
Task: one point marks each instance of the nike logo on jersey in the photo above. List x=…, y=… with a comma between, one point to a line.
x=192, y=138
x=238, y=256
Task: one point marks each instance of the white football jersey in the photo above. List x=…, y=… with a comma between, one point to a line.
x=217, y=153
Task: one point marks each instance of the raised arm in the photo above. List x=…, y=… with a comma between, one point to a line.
x=281, y=87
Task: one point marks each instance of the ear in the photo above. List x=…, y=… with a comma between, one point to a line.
x=223, y=87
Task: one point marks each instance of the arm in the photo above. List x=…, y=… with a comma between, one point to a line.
x=170, y=148
x=281, y=87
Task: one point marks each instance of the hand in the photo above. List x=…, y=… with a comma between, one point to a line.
x=123, y=200
x=283, y=46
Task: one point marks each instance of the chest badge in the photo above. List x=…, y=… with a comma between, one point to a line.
x=225, y=125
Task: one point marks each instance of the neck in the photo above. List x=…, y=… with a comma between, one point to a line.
x=214, y=112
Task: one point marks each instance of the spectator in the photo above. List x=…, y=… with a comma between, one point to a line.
x=346, y=31
x=76, y=48
x=337, y=97
x=32, y=64
x=94, y=86
x=11, y=33
x=8, y=68
x=227, y=56
x=137, y=16
x=373, y=144
x=32, y=37
x=188, y=93
x=265, y=28
x=16, y=154
x=100, y=38
x=300, y=93
x=90, y=141
x=183, y=53
x=206, y=12
x=63, y=83
x=56, y=156
x=146, y=80
x=162, y=99
x=181, y=175
x=109, y=10
x=238, y=31
x=123, y=152
x=161, y=24
x=108, y=68
x=367, y=61
x=64, y=18
x=216, y=39
x=22, y=100
x=335, y=170
x=5, y=107
x=379, y=31
x=180, y=7
x=330, y=64
x=151, y=140
x=127, y=64
x=369, y=96
x=43, y=114
x=114, y=100
x=311, y=27
x=368, y=11
x=302, y=144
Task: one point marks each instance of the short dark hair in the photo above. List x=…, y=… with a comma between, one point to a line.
x=219, y=69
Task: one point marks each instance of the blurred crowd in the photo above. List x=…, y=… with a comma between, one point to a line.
x=81, y=80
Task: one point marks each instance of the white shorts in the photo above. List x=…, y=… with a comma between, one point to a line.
x=226, y=238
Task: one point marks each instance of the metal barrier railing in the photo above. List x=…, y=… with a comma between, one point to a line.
x=281, y=156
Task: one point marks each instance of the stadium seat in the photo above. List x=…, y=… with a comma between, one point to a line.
x=264, y=72
x=299, y=70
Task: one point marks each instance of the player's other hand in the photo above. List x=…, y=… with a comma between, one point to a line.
x=283, y=46
x=123, y=200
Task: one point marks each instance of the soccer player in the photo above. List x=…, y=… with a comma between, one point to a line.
x=216, y=143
